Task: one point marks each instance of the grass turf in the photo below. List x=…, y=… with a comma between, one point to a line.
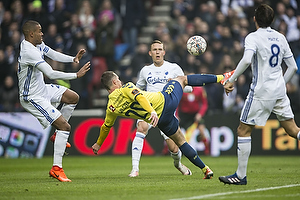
x=106, y=177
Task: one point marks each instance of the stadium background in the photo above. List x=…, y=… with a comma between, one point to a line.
x=116, y=35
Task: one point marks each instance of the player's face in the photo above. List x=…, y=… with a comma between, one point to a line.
x=38, y=35
x=157, y=53
x=118, y=82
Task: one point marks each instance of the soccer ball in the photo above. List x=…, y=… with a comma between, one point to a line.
x=196, y=45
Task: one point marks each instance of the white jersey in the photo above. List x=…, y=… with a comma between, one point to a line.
x=32, y=66
x=153, y=79
x=270, y=48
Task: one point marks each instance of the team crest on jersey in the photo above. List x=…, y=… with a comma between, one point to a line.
x=112, y=108
x=135, y=91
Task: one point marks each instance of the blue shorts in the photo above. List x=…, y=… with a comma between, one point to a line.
x=168, y=123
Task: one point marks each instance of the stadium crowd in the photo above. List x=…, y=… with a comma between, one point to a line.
x=100, y=26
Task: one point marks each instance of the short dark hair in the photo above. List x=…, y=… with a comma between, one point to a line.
x=157, y=42
x=106, y=79
x=264, y=15
x=29, y=26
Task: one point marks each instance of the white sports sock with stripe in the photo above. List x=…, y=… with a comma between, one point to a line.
x=176, y=157
x=243, y=151
x=137, y=147
x=60, y=147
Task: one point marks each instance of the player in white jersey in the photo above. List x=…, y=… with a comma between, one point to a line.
x=41, y=99
x=265, y=49
x=153, y=78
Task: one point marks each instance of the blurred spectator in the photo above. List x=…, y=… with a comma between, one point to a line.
x=59, y=16
x=279, y=13
x=293, y=33
x=139, y=60
x=6, y=22
x=226, y=64
x=207, y=12
x=50, y=36
x=160, y=29
x=17, y=11
x=35, y=11
x=2, y=11
x=104, y=37
x=170, y=46
x=293, y=93
x=5, y=67
x=236, y=52
x=80, y=85
x=180, y=47
x=86, y=15
x=190, y=64
x=179, y=26
x=183, y=7
x=90, y=40
x=133, y=17
x=71, y=29
x=9, y=95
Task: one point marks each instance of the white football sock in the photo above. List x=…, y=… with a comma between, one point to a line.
x=67, y=110
x=243, y=151
x=60, y=147
x=176, y=157
x=298, y=135
x=137, y=147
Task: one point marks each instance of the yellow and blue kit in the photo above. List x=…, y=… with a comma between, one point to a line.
x=130, y=101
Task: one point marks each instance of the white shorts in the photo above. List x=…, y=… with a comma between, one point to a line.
x=257, y=112
x=150, y=126
x=44, y=108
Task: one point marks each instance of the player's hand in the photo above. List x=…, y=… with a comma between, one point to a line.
x=84, y=69
x=153, y=119
x=96, y=148
x=228, y=87
x=79, y=55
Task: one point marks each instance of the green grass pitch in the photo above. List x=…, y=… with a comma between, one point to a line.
x=106, y=177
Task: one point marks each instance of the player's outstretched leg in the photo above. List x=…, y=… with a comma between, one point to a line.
x=192, y=155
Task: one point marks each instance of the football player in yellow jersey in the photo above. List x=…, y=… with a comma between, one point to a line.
x=156, y=108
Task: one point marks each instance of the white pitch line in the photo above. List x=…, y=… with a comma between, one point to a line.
x=246, y=191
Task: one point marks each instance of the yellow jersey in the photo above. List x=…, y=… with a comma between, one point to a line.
x=122, y=102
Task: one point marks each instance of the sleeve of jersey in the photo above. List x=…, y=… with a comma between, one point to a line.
x=246, y=59
x=57, y=56
x=141, y=83
x=53, y=74
x=143, y=101
x=105, y=128
x=103, y=134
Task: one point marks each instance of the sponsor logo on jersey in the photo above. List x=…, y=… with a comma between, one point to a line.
x=112, y=108
x=154, y=80
x=135, y=91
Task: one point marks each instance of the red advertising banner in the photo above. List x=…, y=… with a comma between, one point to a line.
x=268, y=140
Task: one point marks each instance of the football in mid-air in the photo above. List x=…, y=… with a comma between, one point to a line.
x=196, y=45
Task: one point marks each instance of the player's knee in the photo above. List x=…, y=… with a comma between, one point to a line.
x=142, y=129
x=173, y=148
x=75, y=98
x=67, y=127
